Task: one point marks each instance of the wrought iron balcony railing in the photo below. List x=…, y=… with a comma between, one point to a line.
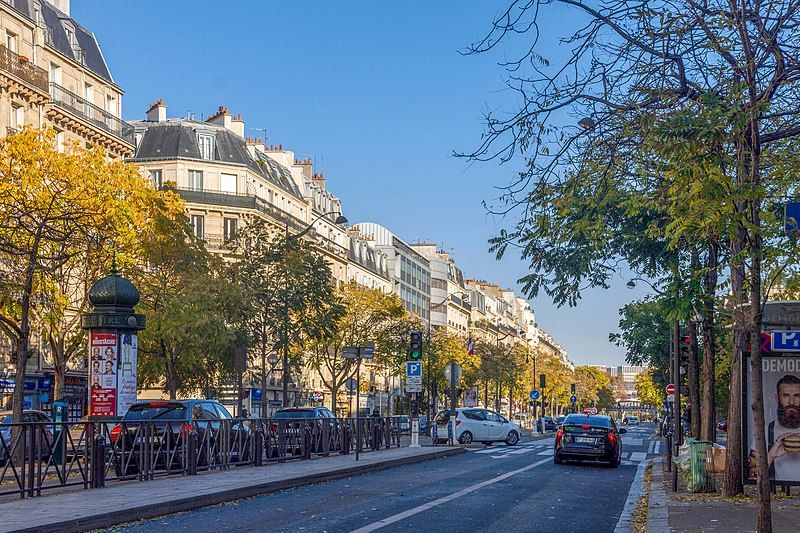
x=96, y=116
x=23, y=69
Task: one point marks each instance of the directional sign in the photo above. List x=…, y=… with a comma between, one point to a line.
x=413, y=387
x=535, y=395
x=670, y=389
x=786, y=341
x=413, y=368
x=573, y=399
x=417, y=380
x=350, y=352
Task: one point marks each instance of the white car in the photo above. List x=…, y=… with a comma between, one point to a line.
x=474, y=424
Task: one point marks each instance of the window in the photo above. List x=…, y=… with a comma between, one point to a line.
x=196, y=180
x=206, y=144
x=88, y=92
x=17, y=117
x=11, y=41
x=55, y=74
x=229, y=229
x=227, y=183
x=157, y=177
x=60, y=141
x=198, y=225
x=111, y=107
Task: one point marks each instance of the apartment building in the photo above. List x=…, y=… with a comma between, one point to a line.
x=367, y=266
x=53, y=74
x=450, y=306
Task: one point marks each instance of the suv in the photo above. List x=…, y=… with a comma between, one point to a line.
x=170, y=422
x=477, y=425
x=28, y=416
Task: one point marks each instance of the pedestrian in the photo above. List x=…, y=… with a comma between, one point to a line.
x=377, y=429
x=245, y=414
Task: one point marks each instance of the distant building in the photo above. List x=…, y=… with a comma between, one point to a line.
x=627, y=373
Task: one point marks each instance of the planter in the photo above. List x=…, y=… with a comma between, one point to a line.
x=23, y=59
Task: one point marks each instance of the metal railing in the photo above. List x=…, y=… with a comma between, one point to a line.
x=93, y=114
x=44, y=456
x=24, y=70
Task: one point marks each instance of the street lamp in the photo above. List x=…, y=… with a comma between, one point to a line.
x=452, y=374
x=340, y=219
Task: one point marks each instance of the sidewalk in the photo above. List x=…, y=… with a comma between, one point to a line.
x=685, y=511
x=128, y=501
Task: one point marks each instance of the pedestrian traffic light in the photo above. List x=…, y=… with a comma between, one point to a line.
x=542, y=381
x=415, y=346
x=572, y=389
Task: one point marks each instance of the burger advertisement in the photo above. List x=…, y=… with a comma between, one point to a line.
x=781, y=386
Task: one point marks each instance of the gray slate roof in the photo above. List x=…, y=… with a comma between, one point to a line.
x=86, y=41
x=177, y=138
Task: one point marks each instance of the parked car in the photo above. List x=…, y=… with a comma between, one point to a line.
x=589, y=437
x=549, y=423
x=559, y=421
x=405, y=425
x=28, y=415
x=722, y=425
x=478, y=425
x=172, y=419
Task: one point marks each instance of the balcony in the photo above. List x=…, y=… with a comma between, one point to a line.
x=23, y=70
x=90, y=113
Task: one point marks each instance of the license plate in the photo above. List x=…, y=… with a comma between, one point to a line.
x=584, y=440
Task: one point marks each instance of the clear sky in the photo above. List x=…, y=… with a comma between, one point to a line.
x=376, y=92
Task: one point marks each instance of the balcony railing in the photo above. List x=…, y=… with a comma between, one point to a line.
x=24, y=70
x=215, y=241
x=90, y=112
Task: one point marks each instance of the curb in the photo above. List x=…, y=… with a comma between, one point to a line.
x=636, y=490
x=657, y=511
x=182, y=504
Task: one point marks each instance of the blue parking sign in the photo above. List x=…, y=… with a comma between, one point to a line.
x=785, y=341
x=413, y=369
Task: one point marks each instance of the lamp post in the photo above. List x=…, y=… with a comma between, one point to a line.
x=285, y=334
x=358, y=353
x=273, y=360
x=452, y=374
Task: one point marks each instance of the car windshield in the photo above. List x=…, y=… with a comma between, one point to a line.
x=579, y=420
x=6, y=420
x=146, y=411
x=295, y=413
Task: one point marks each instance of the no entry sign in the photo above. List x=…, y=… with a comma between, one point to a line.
x=670, y=389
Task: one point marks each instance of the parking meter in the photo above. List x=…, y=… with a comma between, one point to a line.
x=59, y=411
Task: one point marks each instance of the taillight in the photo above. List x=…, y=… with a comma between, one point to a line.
x=116, y=431
x=158, y=404
x=458, y=422
x=559, y=434
x=612, y=438
x=586, y=426
x=186, y=428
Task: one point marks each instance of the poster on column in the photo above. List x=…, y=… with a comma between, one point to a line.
x=781, y=390
x=126, y=390
x=102, y=374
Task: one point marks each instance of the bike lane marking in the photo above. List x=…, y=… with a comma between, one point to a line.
x=424, y=507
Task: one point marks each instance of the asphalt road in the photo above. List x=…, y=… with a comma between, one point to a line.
x=501, y=488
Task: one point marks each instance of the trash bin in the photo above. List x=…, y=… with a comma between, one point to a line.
x=701, y=480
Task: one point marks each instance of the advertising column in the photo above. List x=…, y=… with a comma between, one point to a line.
x=103, y=389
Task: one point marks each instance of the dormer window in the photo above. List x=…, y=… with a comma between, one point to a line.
x=206, y=144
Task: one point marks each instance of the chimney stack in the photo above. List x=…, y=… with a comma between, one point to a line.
x=319, y=179
x=157, y=111
x=61, y=5
x=221, y=118
x=237, y=125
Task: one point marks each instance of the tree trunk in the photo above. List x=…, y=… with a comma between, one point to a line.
x=59, y=367
x=733, y=484
x=334, y=395
x=693, y=382
x=708, y=429
x=263, y=402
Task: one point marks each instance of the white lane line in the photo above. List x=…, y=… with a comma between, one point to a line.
x=521, y=450
x=546, y=452
x=638, y=457
x=658, y=447
x=424, y=507
x=652, y=447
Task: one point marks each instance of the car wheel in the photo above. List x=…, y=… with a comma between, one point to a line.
x=513, y=438
x=557, y=459
x=465, y=438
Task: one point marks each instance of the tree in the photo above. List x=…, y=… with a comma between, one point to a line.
x=591, y=386
x=54, y=209
x=370, y=315
x=649, y=389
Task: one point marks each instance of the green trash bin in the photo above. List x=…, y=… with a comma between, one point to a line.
x=701, y=480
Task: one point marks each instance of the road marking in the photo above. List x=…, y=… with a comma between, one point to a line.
x=657, y=448
x=546, y=452
x=637, y=487
x=638, y=457
x=424, y=507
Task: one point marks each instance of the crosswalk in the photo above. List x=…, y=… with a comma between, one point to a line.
x=545, y=448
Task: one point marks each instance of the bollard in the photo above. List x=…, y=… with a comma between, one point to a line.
x=100, y=446
x=306, y=442
x=191, y=469
x=258, y=446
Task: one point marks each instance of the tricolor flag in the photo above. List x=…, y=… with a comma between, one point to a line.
x=471, y=346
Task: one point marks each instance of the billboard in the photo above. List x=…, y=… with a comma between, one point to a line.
x=102, y=374
x=781, y=389
x=471, y=397
x=126, y=382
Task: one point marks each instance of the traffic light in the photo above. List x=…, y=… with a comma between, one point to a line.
x=572, y=389
x=415, y=346
x=542, y=381
x=685, y=343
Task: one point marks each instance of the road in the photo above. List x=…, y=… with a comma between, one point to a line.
x=499, y=488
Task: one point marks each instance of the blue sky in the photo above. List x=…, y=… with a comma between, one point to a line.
x=376, y=92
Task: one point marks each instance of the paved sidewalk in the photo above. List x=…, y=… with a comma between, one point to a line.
x=687, y=512
x=128, y=501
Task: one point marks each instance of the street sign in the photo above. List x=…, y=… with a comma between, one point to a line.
x=590, y=411
x=417, y=380
x=255, y=395
x=670, y=388
x=350, y=352
x=413, y=368
x=766, y=342
x=368, y=350
x=351, y=384
x=453, y=370
x=413, y=387
x=791, y=218
x=785, y=341
x=573, y=399
x=670, y=398
x=535, y=395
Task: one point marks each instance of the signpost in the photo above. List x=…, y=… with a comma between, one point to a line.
x=573, y=399
x=535, y=395
x=670, y=389
x=358, y=353
x=452, y=373
x=414, y=386
x=785, y=341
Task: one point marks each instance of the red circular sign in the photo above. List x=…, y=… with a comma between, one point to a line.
x=670, y=389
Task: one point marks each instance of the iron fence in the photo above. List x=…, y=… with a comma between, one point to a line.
x=41, y=456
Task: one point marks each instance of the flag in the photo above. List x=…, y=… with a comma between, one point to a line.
x=471, y=346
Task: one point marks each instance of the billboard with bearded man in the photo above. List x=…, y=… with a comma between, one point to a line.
x=781, y=386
